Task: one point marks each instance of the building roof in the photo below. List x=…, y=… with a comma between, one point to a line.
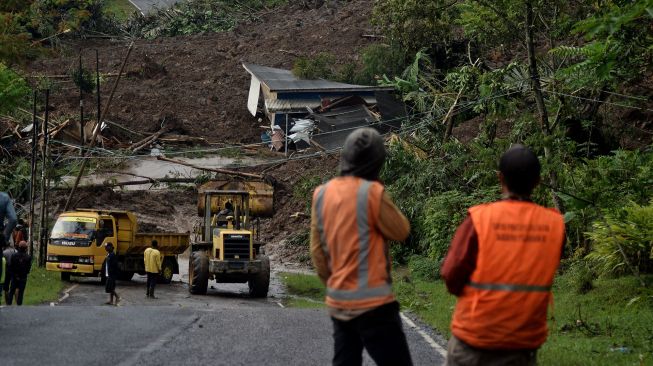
x=280, y=80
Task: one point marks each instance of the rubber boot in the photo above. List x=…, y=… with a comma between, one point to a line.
x=148, y=293
x=152, y=293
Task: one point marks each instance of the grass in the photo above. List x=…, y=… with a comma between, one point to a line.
x=306, y=291
x=612, y=324
x=121, y=9
x=42, y=286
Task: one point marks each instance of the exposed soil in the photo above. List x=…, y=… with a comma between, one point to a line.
x=196, y=84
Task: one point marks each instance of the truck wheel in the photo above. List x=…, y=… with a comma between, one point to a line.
x=125, y=275
x=167, y=270
x=259, y=284
x=198, y=273
x=65, y=276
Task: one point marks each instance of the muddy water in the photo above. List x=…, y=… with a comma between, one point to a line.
x=149, y=167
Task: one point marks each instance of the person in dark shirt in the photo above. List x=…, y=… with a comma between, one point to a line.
x=21, y=264
x=111, y=273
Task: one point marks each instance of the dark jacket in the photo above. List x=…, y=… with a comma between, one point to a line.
x=21, y=264
x=111, y=263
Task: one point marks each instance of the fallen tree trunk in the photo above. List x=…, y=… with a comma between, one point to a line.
x=217, y=170
x=134, y=183
x=142, y=143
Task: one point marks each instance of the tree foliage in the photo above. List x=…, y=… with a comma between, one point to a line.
x=14, y=90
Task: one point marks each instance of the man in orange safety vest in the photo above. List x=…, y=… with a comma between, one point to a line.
x=352, y=220
x=501, y=265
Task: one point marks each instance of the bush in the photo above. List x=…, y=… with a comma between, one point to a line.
x=627, y=232
x=14, y=91
x=424, y=268
x=320, y=66
x=579, y=276
x=379, y=60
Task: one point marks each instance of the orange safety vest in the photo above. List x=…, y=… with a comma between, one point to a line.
x=347, y=209
x=504, y=306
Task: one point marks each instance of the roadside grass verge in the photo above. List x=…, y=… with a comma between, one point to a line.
x=42, y=286
x=120, y=9
x=304, y=290
x=612, y=324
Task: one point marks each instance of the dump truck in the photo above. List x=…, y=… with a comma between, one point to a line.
x=76, y=244
x=230, y=250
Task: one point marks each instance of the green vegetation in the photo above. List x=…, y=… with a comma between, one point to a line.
x=609, y=325
x=306, y=291
x=197, y=16
x=42, y=286
x=120, y=9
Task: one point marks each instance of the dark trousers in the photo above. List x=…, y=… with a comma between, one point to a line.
x=379, y=331
x=17, y=284
x=460, y=353
x=152, y=278
x=5, y=286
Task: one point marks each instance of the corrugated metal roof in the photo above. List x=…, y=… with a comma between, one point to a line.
x=285, y=105
x=282, y=105
x=280, y=80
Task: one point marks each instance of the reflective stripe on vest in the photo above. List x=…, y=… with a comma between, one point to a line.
x=319, y=205
x=509, y=287
x=362, y=222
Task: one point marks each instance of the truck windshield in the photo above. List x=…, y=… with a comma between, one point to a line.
x=73, y=228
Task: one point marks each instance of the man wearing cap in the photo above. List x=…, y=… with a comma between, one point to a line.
x=351, y=223
x=501, y=265
x=21, y=264
x=111, y=274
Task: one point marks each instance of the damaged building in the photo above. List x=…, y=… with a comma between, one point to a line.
x=318, y=112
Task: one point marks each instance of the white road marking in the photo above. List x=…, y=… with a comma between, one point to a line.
x=438, y=348
x=66, y=293
x=280, y=304
x=160, y=342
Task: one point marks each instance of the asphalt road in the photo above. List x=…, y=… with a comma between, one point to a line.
x=145, y=6
x=224, y=327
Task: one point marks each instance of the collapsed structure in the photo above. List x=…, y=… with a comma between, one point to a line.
x=317, y=112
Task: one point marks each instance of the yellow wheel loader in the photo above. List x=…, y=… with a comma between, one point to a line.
x=229, y=251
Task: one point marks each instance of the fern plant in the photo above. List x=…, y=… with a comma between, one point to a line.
x=623, y=240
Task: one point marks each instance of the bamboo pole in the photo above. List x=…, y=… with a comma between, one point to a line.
x=44, y=168
x=32, y=188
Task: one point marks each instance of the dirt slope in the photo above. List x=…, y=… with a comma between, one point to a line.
x=196, y=83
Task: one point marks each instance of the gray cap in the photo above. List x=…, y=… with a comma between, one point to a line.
x=363, y=154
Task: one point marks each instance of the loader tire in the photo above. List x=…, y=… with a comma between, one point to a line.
x=260, y=283
x=65, y=276
x=198, y=273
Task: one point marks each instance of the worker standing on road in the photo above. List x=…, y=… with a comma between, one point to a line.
x=152, y=258
x=21, y=264
x=501, y=264
x=7, y=254
x=7, y=212
x=352, y=220
x=111, y=273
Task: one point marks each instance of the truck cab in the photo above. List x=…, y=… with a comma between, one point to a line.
x=76, y=244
